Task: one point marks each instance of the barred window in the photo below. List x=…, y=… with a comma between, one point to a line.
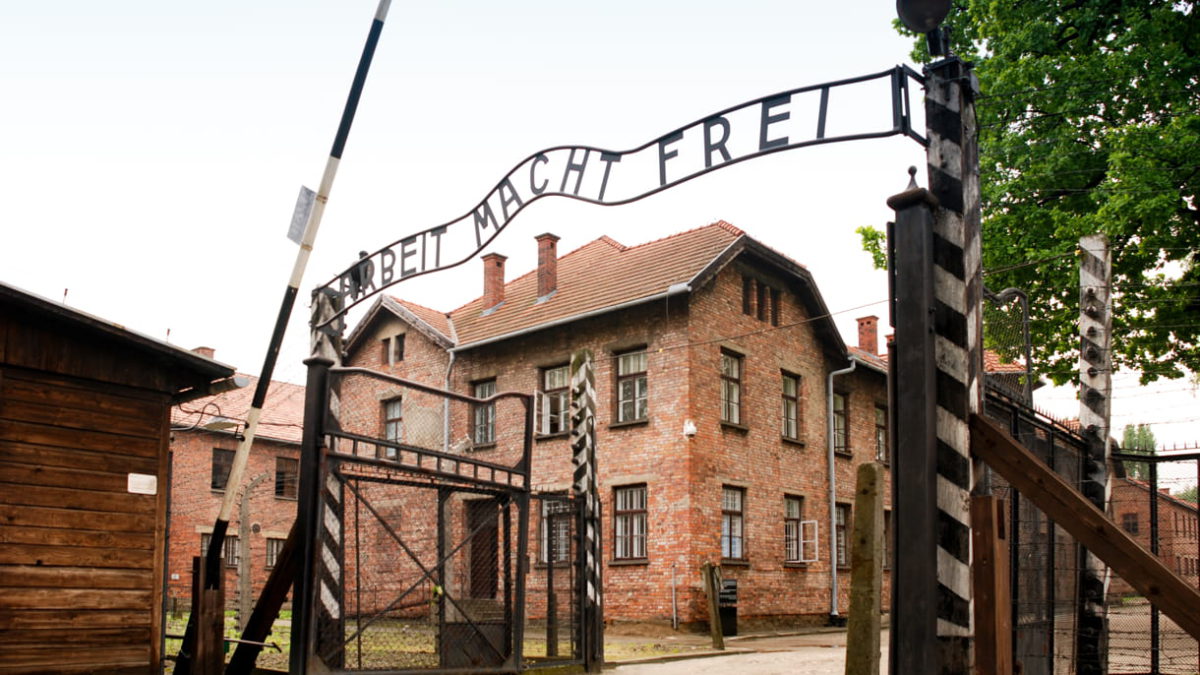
x=556, y=531
x=629, y=521
x=841, y=535
x=793, y=515
x=274, y=548
x=287, y=477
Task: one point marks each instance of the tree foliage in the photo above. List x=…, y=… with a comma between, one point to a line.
x=1089, y=119
x=1138, y=439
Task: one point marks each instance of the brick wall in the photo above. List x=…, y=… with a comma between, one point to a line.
x=1178, y=543
x=195, y=505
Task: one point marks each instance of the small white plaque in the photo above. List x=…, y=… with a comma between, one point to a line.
x=304, y=205
x=143, y=484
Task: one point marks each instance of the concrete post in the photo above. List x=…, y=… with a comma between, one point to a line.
x=866, y=574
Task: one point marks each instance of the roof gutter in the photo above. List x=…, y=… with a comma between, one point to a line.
x=672, y=290
x=212, y=389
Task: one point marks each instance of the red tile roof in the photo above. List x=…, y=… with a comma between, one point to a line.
x=282, y=417
x=992, y=363
x=599, y=275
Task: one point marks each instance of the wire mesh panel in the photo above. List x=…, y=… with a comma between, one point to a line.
x=552, y=599
x=1044, y=558
x=1154, y=501
x=424, y=507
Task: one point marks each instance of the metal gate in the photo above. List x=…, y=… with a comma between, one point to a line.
x=420, y=534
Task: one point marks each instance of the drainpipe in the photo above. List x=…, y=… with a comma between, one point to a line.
x=833, y=568
x=446, y=404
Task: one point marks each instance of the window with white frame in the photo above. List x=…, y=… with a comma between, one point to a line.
x=791, y=407
x=733, y=523
x=556, y=531
x=232, y=549
x=731, y=387
x=799, y=535
x=483, y=422
x=392, y=426
x=629, y=522
x=632, y=395
x=554, y=402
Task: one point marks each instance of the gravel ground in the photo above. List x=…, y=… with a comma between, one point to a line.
x=810, y=654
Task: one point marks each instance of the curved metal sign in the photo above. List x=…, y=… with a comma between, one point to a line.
x=791, y=119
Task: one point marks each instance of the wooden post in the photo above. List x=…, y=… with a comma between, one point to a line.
x=866, y=575
x=711, y=576
x=990, y=586
x=208, y=607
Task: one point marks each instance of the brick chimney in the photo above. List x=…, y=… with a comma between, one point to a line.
x=493, y=280
x=868, y=334
x=547, y=269
x=206, y=352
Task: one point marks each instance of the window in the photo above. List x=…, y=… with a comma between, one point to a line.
x=841, y=539
x=841, y=442
x=556, y=531
x=554, y=400
x=732, y=529
x=632, y=399
x=232, y=550
x=731, y=388
x=793, y=514
x=393, y=350
x=629, y=519
x=791, y=407
x=274, y=548
x=1129, y=522
x=393, y=418
x=222, y=464
x=747, y=295
x=881, y=438
x=287, y=477
x=762, y=301
x=484, y=421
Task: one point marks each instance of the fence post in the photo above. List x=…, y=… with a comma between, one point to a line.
x=993, y=594
x=208, y=606
x=914, y=452
x=583, y=445
x=711, y=576
x=1095, y=383
x=866, y=576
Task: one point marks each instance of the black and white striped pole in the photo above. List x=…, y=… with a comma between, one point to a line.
x=937, y=290
x=1095, y=401
x=311, y=225
x=583, y=446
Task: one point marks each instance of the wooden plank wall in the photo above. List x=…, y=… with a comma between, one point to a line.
x=79, y=589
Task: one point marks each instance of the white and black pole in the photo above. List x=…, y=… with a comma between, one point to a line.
x=240, y=458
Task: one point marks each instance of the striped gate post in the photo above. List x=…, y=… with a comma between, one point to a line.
x=937, y=291
x=1095, y=397
x=317, y=596
x=583, y=446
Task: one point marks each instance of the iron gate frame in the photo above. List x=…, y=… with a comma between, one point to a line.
x=323, y=460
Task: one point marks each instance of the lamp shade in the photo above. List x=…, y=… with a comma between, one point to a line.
x=922, y=16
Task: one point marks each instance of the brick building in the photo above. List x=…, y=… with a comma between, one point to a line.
x=1178, y=537
x=204, y=436
x=714, y=355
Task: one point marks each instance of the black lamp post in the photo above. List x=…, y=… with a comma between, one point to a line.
x=926, y=16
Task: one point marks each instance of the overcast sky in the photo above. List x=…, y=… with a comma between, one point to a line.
x=151, y=152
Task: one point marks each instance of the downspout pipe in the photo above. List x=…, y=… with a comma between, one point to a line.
x=833, y=563
x=446, y=403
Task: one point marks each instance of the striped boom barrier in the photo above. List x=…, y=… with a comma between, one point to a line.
x=1095, y=400
x=957, y=291
x=583, y=446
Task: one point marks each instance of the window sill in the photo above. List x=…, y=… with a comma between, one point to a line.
x=793, y=565
x=557, y=565
x=482, y=446
x=628, y=562
x=551, y=437
x=283, y=498
x=794, y=441
x=630, y=423
x=734, y=426
x=735, y=562
x=843, y=454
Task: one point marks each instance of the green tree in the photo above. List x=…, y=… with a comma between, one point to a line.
x=1089, y=121
x=1138, y=439
x=1187, y=494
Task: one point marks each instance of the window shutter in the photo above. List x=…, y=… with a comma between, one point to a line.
x=809, y=550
